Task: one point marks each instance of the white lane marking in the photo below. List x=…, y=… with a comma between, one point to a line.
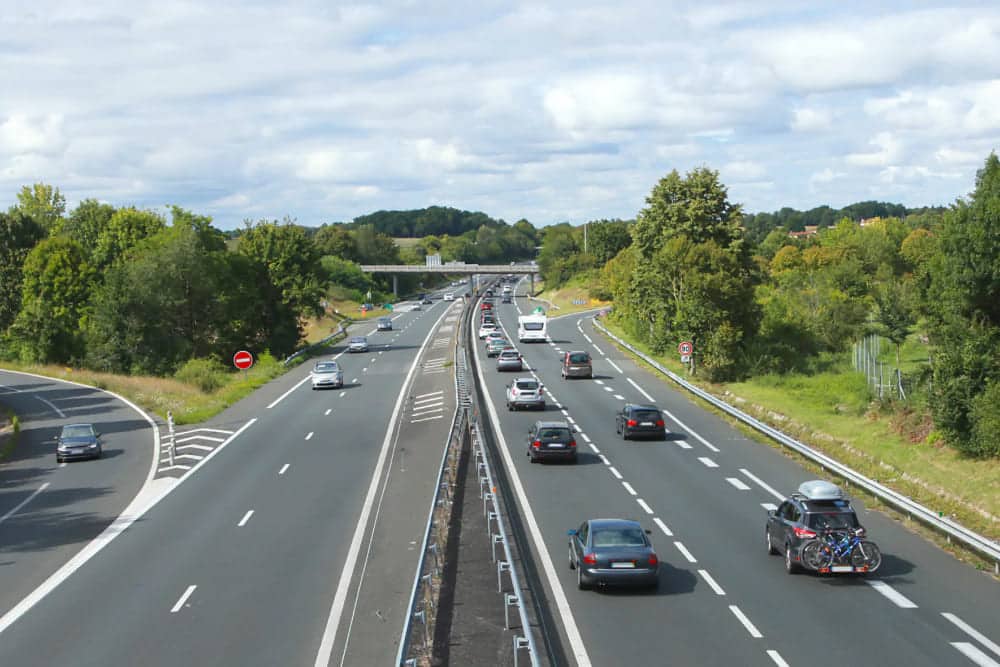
x=608, y=389
x=200, y=437
x=614, y=471
x=62, y=465
x=204, y=448
x=328, y=411
x=354, y=381
x=191, y=457
x=381, y=351
x=759, y=482
x=711, y=582
x=738, y=483
x=619, y=397
x=604, y=459
x=769, y=506
x=663, y=527
x=340, y=597
x=184, y=598
x=975, y=655
x=309, y=436
x=558, y=405
x=641, y=390
x=283, y=396
x=283, y=470
x=51, y=405
x=684, y=552
x=589, y=339
x=598, y=381
x=972, y=632
x=565, y=412
x=689, y=430
x=428, y=403
x=643, y=505
x=24, y=502
x=585, y=436
x=364, y=370
x=433, y=393
x=426, y=412
x=564, y=611
x=372, y=361
x=342, y=394
x=628, y=487
x=682, y=444
x=891, y=593
x=200, y=430
x=616, y=367
x=570, y=419
x=594, y=447
x=246, y=517
x=599, y=350
x=754, y=632
x=776, y=658
x=709, y=463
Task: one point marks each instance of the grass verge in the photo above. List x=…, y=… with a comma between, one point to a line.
x=10, y=428
x=573, y=297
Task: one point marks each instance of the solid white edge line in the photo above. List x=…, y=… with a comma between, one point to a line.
x=641, y=390
x=662, y=526
x=711, y=582
x=972, y=632
x=776, y=658
x=691, y=431
x=684, y=552
x=24, y=502
x=346, y=575
x=759, y=482
x=184, y=598
x=892, y=594
x=751, y=628
x=246, y=517
x=644, y=506
x=974, y=654
x=283, y=396
x=565, y=614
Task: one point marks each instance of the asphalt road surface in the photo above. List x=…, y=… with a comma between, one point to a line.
x=239, y=564
x=704, y=493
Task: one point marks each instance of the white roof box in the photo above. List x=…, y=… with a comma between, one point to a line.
x=817, y=489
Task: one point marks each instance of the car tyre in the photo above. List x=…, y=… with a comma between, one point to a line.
x=791, y=567
x=572, y=563
x=581, y=583
x=624, y=433
x=771, y=550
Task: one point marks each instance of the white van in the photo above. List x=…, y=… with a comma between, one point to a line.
x=532, y=328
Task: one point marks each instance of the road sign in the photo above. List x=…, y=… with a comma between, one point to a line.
x=685, y=358
x=685, y=349
x=243, y=360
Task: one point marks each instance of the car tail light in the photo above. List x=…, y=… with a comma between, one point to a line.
x=631, y=422
x=804, y=532
x=590, y=559
x=572, y=443
x=536, y=444
x=653, y=560
x=660, y=423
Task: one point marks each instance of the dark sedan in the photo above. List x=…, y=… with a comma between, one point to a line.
x=78, y=441
x=613, y=552
x=643, y=421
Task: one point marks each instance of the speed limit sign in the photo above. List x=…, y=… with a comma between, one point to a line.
x=685, y=349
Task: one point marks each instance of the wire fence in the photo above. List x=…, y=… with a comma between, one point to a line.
x=885, y=380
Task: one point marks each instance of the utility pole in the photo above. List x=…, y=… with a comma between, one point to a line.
x=585, y=237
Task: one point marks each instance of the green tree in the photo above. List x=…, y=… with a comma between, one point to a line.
x=336, y=240
x=125, y=228
x=557, y=258
x=86, y=223
x=19, y=233
x=606, y=238
x=42, y=202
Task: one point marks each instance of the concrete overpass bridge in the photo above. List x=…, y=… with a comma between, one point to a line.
x=452, y=270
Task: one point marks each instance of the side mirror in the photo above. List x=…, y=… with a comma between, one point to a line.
x=571, y=532
x=772, y=513
x=648, y=531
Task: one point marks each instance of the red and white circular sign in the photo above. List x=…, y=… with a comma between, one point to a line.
x=685, y=348
x=243, y=360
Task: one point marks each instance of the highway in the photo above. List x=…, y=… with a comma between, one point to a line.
x=256, y=558
x=704, y=494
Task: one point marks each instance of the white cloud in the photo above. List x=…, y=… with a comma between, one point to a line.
x=806, y=119
x=827, y=175
x=889, y=151
x=742, y=170
x=21, y=134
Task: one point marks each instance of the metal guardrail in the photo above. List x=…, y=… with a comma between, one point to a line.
x=911, y=508
x=341, y=330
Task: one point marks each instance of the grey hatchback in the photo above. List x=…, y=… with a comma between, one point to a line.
x=613, y=551
x=78, y=441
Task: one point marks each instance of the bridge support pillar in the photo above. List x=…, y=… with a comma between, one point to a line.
x=395, y=285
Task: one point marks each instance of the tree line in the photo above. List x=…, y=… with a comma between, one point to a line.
x=687, y=268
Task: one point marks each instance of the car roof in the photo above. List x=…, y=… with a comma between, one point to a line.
x=579, y=352
x=550, y=424
x=614, y=523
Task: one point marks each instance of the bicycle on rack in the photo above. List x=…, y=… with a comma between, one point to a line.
x=841, y=550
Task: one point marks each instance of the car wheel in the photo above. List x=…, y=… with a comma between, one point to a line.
x=100, y=453
x=624, y=434
x=581, y=583
x=572, y=565
x=791, y=567
x=771, y=550
x=59, y=459
x=509, y=408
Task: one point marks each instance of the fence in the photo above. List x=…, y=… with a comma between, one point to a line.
x=951, y=529
x=885, y=382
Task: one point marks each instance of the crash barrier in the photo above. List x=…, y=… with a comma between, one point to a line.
x=341, y=331
x=952, y=530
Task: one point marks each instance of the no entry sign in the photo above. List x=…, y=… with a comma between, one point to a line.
x=243, y=360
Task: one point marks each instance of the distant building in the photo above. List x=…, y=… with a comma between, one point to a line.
x=810, y=230
x=433, y=260
x=868, y=221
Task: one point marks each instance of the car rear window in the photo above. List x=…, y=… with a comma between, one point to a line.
x=527, y=385
x=579, y=358
x=554, y=433
x=831, y=520
x=646, y=415
x=533, y=326
x=618, y=537
x=509, y=354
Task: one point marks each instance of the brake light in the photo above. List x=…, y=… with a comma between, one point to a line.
x=590, y=559
x=653, y=560
x=804, y=532
x=659, y=422
x=536, y=444
x=631, y=422
x=572, y=443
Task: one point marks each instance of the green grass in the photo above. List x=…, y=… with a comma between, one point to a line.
x=10, y=428
x=564, y=296
x=406, y=242
x=832, y=412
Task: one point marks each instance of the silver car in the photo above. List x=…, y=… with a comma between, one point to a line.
x=357, y=344
x=509, y=360
x=327, y=374
x=525, y=393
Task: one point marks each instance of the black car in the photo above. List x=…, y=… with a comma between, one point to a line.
x=551, y=440
x=78, y=441
x=613, y=552
x=644, y=421
x=817, y=506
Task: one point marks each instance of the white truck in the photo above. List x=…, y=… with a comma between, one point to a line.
x=532, y=328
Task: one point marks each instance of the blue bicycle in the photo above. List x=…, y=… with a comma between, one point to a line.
x=842, y=550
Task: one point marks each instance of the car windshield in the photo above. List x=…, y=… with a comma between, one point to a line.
x=527, y=385
x=78, y=431
x=328, y=367
x=619, y=537
x=832, y=520
x=384, y=320
x=357, y=339
x=533, y=326
x=489, y=325
x=579, y=358
x=646, y=415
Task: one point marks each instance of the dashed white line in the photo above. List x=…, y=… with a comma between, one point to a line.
x=738, y=483
x=328, y=411
x=972, y=632
x=601, y=382
x=246, y=517
x=364, y=370
x=613, y=364
x=604, y=459
x=776, y=658
x=759, y=482
x=309, y=435
x=609, y=389
x=184, y=598
x=975, y=655
x=24, y=502
x=891, y=593
x=643, y=505
x=709, y=463
x=614, y=471
x=344, y=393
x=640, y=390
x=619, y=397
x=584, y=436
x=769, y=506
x=628, y=487
x=594, y=447
x=283, y=470
x=754, y=632
x=354, y=381
x=663, y=527
x=684, y=552
x=589, y=339
x=711, y=582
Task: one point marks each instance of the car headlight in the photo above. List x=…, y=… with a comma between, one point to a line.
x=62, y=448
x=93, y=445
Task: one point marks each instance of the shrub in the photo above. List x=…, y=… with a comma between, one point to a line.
x=986, y=423
x=206, y=374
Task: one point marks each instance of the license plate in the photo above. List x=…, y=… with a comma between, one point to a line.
x=556, y=446
x=841, y=568
x=645, y=423
x=620, y=566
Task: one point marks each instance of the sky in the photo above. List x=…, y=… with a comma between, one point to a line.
x=562, y=111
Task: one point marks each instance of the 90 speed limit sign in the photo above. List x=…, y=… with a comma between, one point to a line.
x=685, y=349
